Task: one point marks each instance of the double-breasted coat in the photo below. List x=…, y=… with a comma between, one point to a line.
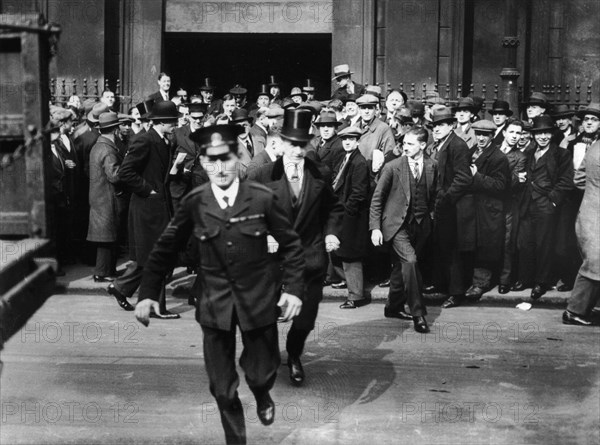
x=330, y=152
x=104, y=207
x=145, y=169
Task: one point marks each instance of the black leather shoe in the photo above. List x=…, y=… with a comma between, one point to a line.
x=596, y=311
x=101, y=279
x=121, y=299
x=453, y=301
x=265, y=409
x=296, y=371
x=400, y=314
x=564, y=288
x=326, y=283
x=340, y=285
x=503, y=289
x=421, y=325
x=348, y=304
x=571, y=318
x=474, y=292
x=519, y=286
x=386, y=283
x=537, y=292
x=166, y=315
x=430, y=290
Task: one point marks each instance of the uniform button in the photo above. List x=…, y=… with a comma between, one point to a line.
x=229, y=244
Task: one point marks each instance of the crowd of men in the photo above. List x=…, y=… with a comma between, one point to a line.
x=273, y=197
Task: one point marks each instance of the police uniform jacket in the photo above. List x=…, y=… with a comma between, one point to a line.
x=234, y=266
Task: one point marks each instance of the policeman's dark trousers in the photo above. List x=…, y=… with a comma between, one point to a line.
x=536, y=247
x=259, y=360
x=305, y=322
x=405, y=280
x=129, y=282
x=584, y=296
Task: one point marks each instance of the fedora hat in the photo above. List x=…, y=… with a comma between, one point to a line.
x=464, y=103
x=298, y=92
x=591, y=108
x=207, y=85
x=217, y=139
x=341, y=70
x=442, y=114
x=272, y=81
x=164, y=110
x=327, y=118
x=264, y=91
x=296, y=125
x=538, y=99
x=97, y=110
x=240, y=115
x=309, y=88
x=562, y=111
x=501, y=107
x=238, y=90
x=541, y=123
x=108, y=119
x=484, y=126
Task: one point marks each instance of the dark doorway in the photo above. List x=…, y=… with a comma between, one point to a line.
x=248, y=59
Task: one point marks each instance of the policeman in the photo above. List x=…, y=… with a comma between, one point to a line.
x=231, y=219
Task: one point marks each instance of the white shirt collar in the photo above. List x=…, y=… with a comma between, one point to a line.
x=288, y=166
x=230, y=192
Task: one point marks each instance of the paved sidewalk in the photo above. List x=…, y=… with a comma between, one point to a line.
x=78, y=280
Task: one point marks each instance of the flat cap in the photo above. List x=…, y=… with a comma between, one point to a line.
x=367, y=99
x=350, y=132
x=484, y=126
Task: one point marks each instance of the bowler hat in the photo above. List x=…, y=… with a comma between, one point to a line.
x=309, y=88
x=296, y=125
x=591, y=108
x=313, y=106
x=264, y=91
x=341, y=71
x=367, y=100
x=298, y=92
x=207, y=86
x=164, y=110
x=197, y=108
x=541, y=123
x=442, y=114
x=327, y=118
x=562, y=111
x=240, y=115
x=108, y=119
x=484, y=126
x=217, y=139
x=97, y=110
x=465, y=103
x=238, y=90
x=350, y=132
x=538, y=99
x=501, y=107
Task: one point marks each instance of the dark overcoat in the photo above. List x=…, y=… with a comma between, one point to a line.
x=181, y=183
x=353, y=191
x=330, y=153
x=234, y=266
x=145, y=169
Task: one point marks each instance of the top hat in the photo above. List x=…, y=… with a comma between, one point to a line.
x=298, y=92
x=591, y=108
x=264, y=91
x=198, y=108
x=272, y=81
x=313, y=106
x=464, y=103
x=144, y=108
x=207, y=86
x=240, y=115
x=501, y=107
x=327, y=118
x=97, y=110
x=538, y=99
x=238, y=90
x=217, y=139
x=442, y=114
x=354, y=132
x=164, y=110
x=108, y=119
x=562, y=111
x=296, y=125
x=309, y=88
x=541, y=123
x=341, y=70
x=484, y=126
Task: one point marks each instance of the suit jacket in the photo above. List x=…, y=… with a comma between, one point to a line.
x=468, y=136
x=157, y=97
x=146, y=169
x=234, y=266
x=319, y=212
x=244, y=153
x=342, y=93
x=516, y=164
x=499, y=138
x=181, y=183
x=331, y=153
x=259, y=160
x=391, y=200
x=73, y=176
x=352, y=189
x=259, y=138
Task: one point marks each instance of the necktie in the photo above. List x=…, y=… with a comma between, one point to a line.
x=340, y=172
x=538, y=154
x=250, y=148
x=434, y=150
x=416, y=172
x=477, y=154
x=226, y=199
x=295, y=182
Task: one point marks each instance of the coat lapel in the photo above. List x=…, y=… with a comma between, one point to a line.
x=210, y=204
x=311, y=189
x=242, y=201
x=429, y=174
x=403, y=172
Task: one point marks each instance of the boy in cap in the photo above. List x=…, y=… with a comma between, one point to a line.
x=230, y=219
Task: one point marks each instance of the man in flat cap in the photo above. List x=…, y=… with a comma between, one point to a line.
x=378, y=138
x=346, y=86
x=231, y=219
x=484, y=228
